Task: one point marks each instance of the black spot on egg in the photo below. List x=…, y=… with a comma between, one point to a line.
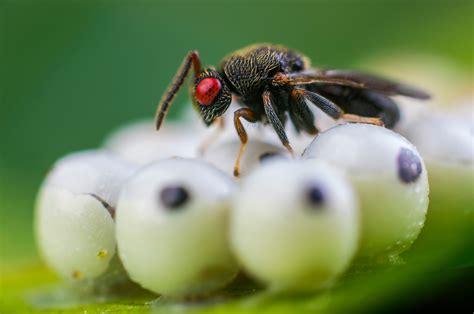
x=267, y=156
x=409, y=165
x=315, y=196
x=174, y=197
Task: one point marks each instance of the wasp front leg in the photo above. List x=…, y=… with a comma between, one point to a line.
x=251, y=117
x=333, y=110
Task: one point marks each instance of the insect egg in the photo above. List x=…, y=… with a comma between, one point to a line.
x=172, y=225
x=139, y=143
x=222, y=155
x=390, y=178
x=75, y=210
x=295, y=224
x=446, y=144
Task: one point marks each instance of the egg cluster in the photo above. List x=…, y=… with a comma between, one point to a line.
x=176, y=221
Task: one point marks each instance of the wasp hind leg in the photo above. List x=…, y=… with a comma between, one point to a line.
x=389, y=111
x=358, y=119
x=334, y=111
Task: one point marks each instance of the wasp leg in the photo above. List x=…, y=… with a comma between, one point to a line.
x=301, y=116
x=250, y=116
x=389, y=112
x=192, y=58
x=358, y=119
x=329, y=108
x=208, y=141
x=296, y=122
x=275, y=121
x=334, y=110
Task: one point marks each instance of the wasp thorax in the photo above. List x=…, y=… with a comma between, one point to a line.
x=207, y=90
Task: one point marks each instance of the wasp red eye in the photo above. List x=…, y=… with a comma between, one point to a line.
x=207, y=90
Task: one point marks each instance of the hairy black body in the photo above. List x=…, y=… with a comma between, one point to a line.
x=274, y=83
x=264, y=62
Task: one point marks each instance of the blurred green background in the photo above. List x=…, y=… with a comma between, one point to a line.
x=70, y=71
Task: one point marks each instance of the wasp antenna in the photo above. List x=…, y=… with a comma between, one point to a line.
x=192, y=58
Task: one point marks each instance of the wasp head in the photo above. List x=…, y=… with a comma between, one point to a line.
x=212, y=97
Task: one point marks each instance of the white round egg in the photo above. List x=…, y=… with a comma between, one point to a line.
x=390, y=178
x=172, y=228
x=139, y=142
x=443, y=137
x=295, y=225
x=224, y=154
x=447, y=146
x=463, y=108
x=74, y=223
